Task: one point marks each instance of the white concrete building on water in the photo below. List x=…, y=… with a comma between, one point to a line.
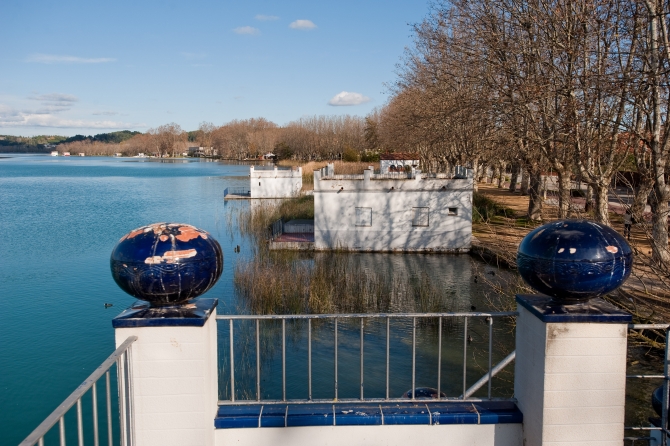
x=275, y=182
x=410, y=211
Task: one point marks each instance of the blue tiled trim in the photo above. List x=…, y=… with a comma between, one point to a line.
x=367, y=414
x=595, y=310
x=141, y=314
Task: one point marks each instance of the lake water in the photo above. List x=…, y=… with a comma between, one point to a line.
x=61, y=218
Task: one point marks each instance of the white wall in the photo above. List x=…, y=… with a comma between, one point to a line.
x=275, y=183
x=570, y=381
x=335, y=203
x=403, y=435
x=175, y=387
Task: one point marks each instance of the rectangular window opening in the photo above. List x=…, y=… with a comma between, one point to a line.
x=420, y=217
x=363, y=216
x=453, y=211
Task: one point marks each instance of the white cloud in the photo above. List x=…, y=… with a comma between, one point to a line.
x=302, y=24
x=54, y=58
x=105, y=113
x=247, y=30
x=348, y=98
x=266, y=18
x=10, y=117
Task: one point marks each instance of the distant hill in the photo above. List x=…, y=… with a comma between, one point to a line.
x=113, y=137
x=46, y=143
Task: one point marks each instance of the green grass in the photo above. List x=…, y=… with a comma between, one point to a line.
x=485, y=209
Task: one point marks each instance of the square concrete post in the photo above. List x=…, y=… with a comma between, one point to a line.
x=570, y=372
x=173, y=371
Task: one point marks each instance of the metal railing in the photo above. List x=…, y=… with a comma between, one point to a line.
x=466, y=392
x=243, y=191
x=120, y=357
x=663, y=429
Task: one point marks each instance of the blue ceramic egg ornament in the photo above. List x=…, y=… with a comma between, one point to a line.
x=574, y=260
x=166, y=263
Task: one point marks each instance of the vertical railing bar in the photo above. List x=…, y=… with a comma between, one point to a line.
x=80, y=424
x=664, y=410
x=96, y=433
x=490, y=353
x=361, y=359
x=335, y=348
x=129, y=398
x=465, y=353
x=232, y=362
x=309, y=359
x=388, y=363
x=283, y=358
x=110, y=439
x=61, y=428
x=258, y=360
x=439, y=358
x=120, y=379
x=41, y=441
x=413, y=356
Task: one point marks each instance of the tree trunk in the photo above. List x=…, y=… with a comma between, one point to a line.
x=525, y=181
x=501, y=176
x=588, y=205
x=536, y=196
x=563, y=194
x=514, y=178
x=641, y=195
x=601, y=214
x=659, y=222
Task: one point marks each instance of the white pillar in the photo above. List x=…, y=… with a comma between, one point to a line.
x=174, y=374
x=570, y=372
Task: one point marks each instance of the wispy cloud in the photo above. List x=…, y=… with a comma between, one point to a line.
x=55, y=97
x=247, y=30
x=105, y=113
x=53, y=103
x=348, y=98
x=266, y=18
x=193, y=56
x=10, y=117
x=302, y=24
x=55, y=59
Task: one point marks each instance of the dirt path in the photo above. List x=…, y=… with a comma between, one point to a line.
x=503, y=235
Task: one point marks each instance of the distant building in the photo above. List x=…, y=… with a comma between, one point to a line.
x=202, y=151
x=82, y=154
x=54, y=153
x=410, y=211
x=274, y=182
x=66, y=153
x=118, y=154
x=398, y=162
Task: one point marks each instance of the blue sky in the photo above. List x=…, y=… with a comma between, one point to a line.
x=84, y=66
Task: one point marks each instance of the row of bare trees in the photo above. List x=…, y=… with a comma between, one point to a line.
x=578, y=87
x=309, y=138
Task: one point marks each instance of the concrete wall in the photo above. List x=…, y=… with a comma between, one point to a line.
x=452, y=435
x=570, y=381
x=391, y=204
x=175, y=385
x=275, y=183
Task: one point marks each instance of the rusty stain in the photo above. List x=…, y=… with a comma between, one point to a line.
x=171, y=256
x=612, y=249
x=188, y=233
x=135, y=233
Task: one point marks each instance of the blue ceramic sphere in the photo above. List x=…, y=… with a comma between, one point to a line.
x=574, y=260
x=166, y=263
